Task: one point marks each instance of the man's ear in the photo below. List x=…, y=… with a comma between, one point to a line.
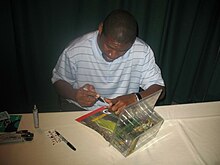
x=100, y=28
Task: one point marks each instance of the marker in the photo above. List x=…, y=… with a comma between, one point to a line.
x=100, y=98
x=36, y=117
x=65, y=141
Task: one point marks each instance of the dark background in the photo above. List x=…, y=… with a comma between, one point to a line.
x=184, y=34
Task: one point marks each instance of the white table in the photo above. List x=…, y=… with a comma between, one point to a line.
x=189, y=135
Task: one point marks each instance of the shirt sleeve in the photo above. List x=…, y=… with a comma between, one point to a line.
x=151, y=73
x=64, y=69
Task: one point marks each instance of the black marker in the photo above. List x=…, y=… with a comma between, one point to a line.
x=65, y=141
x=100, y=98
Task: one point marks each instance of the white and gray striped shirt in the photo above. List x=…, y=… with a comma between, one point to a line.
x=82, y=63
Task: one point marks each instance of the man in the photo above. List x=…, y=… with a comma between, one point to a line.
x=111, y=62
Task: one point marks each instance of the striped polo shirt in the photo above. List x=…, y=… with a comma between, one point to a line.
x=82, y=63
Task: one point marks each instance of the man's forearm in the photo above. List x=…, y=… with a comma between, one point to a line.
x=65, y=90
x=152, y=89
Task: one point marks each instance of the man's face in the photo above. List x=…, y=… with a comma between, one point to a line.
x=110, y=48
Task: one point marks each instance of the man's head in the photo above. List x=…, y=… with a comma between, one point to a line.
x=117, y=33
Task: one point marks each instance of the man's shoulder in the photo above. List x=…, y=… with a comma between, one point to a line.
x=83, y=41
x=140, y=44
x=140, y=47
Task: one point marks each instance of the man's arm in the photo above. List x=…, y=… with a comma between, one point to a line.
x=65, y=90
x=119, y=103
x=153, y=88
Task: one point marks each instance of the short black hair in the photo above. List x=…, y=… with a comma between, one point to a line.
x=121, y=26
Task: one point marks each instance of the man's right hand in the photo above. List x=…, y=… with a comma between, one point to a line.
x=86, y=95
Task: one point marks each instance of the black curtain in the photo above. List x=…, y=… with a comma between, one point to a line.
x=184, y=34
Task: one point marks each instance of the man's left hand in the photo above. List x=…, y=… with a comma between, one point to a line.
x=118, y=104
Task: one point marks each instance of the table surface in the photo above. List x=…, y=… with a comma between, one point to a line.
x=189, y=135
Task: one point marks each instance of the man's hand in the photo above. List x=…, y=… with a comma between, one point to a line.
x=86, y=95
x=118, y=104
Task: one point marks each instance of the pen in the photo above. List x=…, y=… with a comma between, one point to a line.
x=65, y=141
x=100, y=98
